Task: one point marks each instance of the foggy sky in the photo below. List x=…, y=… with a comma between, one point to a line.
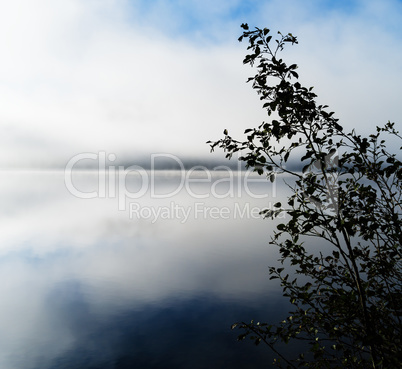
x=139, y=77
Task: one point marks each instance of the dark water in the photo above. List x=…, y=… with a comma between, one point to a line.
x=109, y=282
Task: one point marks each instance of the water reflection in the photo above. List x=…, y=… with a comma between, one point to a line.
x=86, y=285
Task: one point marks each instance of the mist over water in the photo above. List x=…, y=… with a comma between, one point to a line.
x=89, y=283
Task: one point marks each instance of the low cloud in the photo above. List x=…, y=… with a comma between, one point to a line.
x=85, y=76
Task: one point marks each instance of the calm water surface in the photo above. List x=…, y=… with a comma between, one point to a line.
x=156, y=284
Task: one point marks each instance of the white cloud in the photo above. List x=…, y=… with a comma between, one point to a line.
x=350, y=55
x=103, y=75
x=92, y=83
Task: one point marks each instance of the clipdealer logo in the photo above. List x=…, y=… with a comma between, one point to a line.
x=112, y=181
